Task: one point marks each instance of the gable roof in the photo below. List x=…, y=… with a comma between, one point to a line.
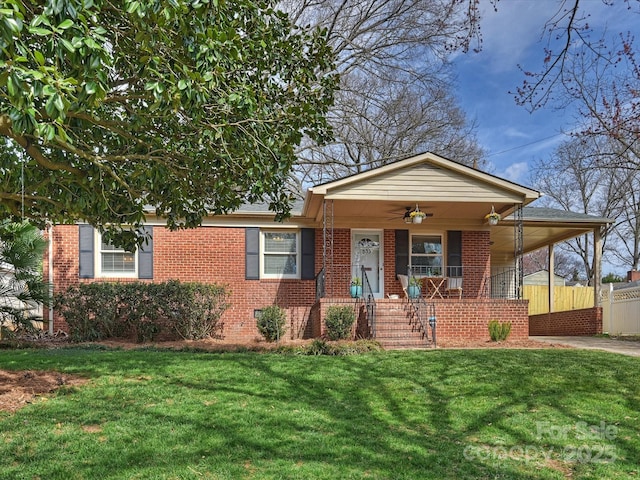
x=425, y=173
x=459, y=191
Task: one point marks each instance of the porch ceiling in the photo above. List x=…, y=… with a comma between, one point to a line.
x=389, y=213
x=536, y=235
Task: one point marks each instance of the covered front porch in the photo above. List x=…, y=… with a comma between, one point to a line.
x=413, y=240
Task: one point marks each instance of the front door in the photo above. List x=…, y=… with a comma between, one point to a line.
x=367, y=251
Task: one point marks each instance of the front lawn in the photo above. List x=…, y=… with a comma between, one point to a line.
x=495, y=414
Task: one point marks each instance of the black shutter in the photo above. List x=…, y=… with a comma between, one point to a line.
x=145, y=254
x=86, y=247
x=252, y=253
x=402, y=252
x=308, y=253
x=454, y=253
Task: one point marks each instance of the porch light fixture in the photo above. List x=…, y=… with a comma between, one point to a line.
x=493, y=217
x=407, y=217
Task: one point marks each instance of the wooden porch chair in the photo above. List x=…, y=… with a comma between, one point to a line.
x=453, y=287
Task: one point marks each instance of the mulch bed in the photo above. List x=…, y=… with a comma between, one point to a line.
x=19, y=388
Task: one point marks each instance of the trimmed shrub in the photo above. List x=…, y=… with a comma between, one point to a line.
x=339, y=321
x=271, y=323
x=499, y=331
x=193, y=309
x=96, y=311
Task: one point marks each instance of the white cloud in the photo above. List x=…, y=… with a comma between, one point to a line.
x=515, y=172
x=510, y=33
x=513, y=132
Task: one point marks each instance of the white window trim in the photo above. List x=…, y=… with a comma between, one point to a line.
x=442, y=253
x=98, y=262
x=295, y=276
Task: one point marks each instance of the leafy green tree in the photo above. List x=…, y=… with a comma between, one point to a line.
x=612, y=278
x=108, y=108
x=21, y=285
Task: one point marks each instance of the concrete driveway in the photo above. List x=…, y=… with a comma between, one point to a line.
x=624, y=347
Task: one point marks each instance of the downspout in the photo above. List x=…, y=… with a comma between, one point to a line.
x=50, y=276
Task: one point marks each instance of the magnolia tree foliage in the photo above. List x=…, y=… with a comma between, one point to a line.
x=190, y=107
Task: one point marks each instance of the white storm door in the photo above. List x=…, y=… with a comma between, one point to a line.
x=367, y=251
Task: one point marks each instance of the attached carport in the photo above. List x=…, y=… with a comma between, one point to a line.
x=546, y=227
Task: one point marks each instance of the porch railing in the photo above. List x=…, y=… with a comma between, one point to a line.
x=468, y=281
x=504, y=284
x=423, y=312
x=501, y=284
x=369, y=301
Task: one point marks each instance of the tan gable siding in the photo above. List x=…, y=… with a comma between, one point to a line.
x=426, y=182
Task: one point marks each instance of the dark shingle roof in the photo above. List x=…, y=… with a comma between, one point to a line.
x=555, y=214
x=296, y=208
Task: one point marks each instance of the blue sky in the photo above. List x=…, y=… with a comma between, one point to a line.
x=513, y=137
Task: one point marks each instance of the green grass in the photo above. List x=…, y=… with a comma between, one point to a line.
x=495, y=414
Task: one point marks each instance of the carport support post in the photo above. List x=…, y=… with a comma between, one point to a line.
x=552, y=275
x=597, y=265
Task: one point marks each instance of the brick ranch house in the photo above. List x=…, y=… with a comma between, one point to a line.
x=359, y=226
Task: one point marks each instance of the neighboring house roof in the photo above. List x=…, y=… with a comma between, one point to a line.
x=541, y=277
x=623, y=285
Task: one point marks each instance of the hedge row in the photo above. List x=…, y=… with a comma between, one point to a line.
x=97, y=311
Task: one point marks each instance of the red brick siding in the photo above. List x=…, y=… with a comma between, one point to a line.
x=476, y=262
x=215, y=254
x=210, y=255
x=338, y=279
x=391, y=283
x=587, y=321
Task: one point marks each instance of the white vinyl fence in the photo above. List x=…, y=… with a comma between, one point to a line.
x=621, y=311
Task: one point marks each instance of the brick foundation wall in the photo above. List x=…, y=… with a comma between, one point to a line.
x=468, y=319
x=587, y=321
x=319, y=313
x=456, y=320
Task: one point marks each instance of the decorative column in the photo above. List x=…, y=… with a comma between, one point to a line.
x=518, y=240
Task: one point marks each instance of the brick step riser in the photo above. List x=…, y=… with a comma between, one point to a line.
x=395, y=330
x=394, y=345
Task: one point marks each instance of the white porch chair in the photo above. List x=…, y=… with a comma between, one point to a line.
x=453, y=287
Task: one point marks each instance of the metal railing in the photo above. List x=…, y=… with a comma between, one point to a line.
x=422, y=311
x=503, y=284
x=369, y=301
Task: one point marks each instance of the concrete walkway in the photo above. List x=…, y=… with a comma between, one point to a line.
x=624, y=347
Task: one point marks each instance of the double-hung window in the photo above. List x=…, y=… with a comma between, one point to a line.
x=116, y=262
x=426, y=255
x=280, y=254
